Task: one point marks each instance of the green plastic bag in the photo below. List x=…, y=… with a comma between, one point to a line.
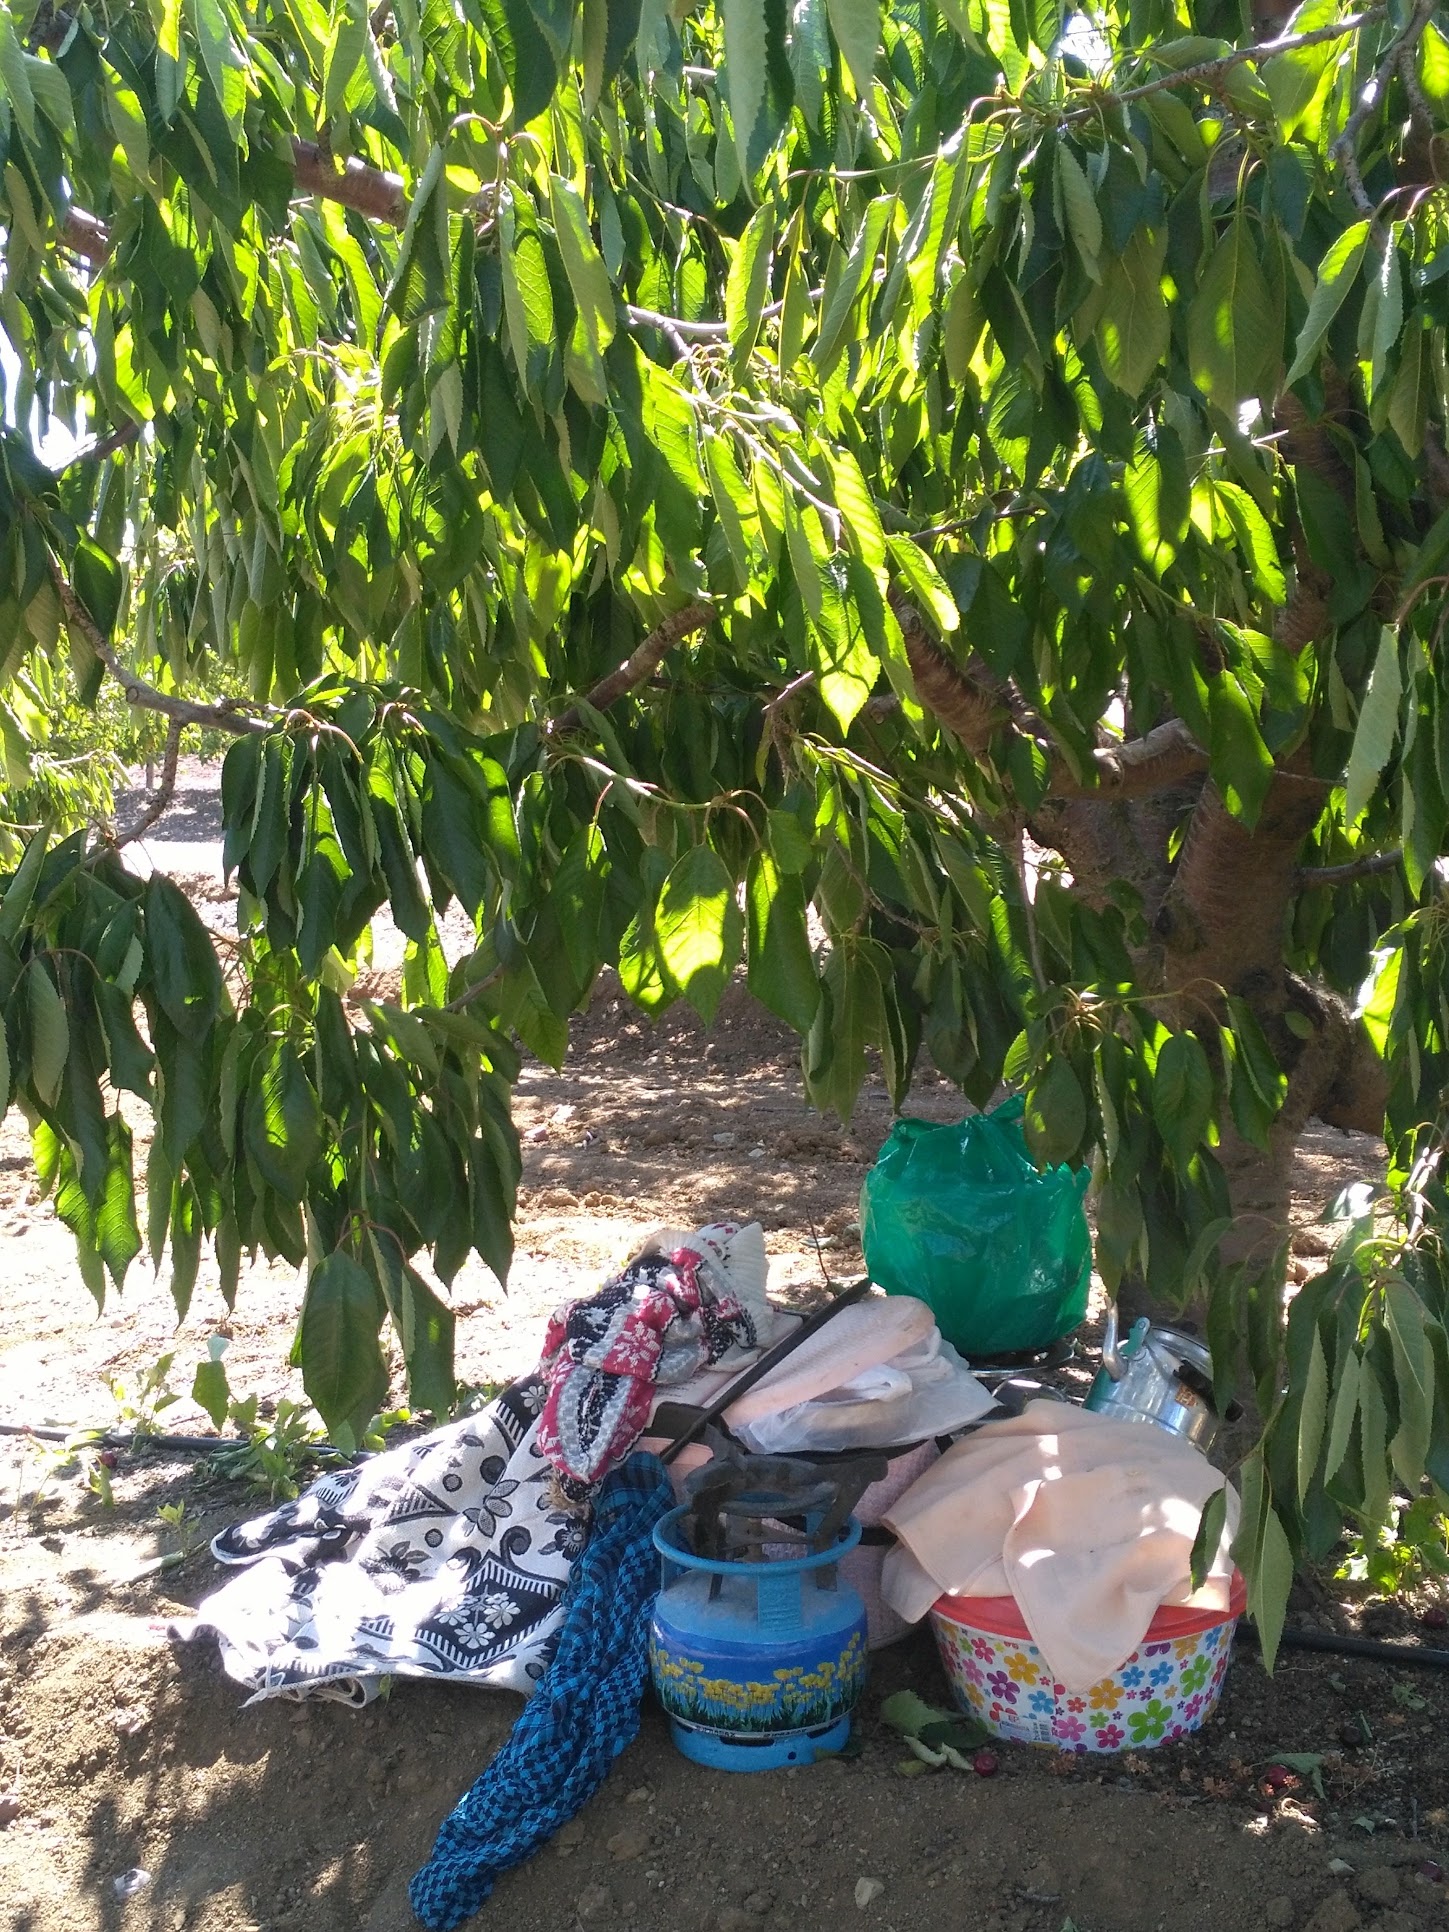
x=960, y=1218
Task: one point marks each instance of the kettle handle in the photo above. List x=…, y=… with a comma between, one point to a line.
x=1115, y=1357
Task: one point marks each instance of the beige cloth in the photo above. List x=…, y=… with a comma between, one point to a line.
x=1088, y=1522
x=858, y=1338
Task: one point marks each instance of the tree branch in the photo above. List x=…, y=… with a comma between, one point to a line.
x=216, y=717
x=106, y=445
x=1334, y=875
x=1345, y=149
x=1207, y=70
x=639, y=665
x=367, y=191
x=164, y=792
x=1161, y=757
x=1164, y=756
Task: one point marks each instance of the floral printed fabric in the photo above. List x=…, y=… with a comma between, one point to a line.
x=444, y=1558
x=657, y=1323
x=1163, y=1691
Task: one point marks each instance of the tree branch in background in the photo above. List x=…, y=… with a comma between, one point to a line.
x=106, y=445
x=85, y=236
x=164, y=792
x=1333, y=875
x=1210, y=70
x=639, y=665
x=217, y=717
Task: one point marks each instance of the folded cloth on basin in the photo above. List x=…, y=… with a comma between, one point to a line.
x=1089, y=1523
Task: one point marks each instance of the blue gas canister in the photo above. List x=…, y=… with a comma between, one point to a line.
x=758, y=1659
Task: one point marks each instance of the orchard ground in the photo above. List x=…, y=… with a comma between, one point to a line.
x=119, y=1751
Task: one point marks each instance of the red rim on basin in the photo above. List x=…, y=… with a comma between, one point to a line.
x=999, y=1616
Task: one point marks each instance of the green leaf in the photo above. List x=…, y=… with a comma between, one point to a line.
x=1404, y=1316
x=129, y=1057
x=856, y=26
x=781, y=965
x=593, y=292
x=1345, y=1411
x=840, y=301
x=747, y=288
x=745, y=70
x=1386, y=311
x=699, y=928
x=1377, y=727
x=1209, y=1536
x=1312, y=1415
x=210, y=1389
x=346, y=46
x=223, y=62
x=184, y=968
x=1133, y=329
x=1255, y=540
x=527, y=297
x=1409, y=403
x=1231, y=322
x=925, y=583
x=342, y=1367
x=1056, y=1114
x=1145, y=491
x=790, y=846
x=283, y=1121
x=97, y=581
x=17, y=90
x=1182, y=1096
x=15, y=900
x=1336, y=275
x=1241, y=764
x=49, y=1034
x=426, y=1333
x=1084, y=222
x=186, y=1231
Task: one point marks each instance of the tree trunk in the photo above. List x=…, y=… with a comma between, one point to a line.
x=1219, y=919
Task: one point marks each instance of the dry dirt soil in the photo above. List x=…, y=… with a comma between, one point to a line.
x=120, y=1753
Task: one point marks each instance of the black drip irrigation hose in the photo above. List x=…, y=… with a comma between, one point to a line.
x=1329, y=1643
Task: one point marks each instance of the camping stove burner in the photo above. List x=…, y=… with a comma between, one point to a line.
x=746, y=1514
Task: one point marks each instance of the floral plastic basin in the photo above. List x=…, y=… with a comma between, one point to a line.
x=1167, y=1687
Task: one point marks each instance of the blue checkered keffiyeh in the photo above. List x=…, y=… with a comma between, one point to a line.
x=583, y=1714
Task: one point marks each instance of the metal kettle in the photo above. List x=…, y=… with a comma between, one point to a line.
x=1157, y=1375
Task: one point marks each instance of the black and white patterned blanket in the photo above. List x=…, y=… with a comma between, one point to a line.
x=447, y=1558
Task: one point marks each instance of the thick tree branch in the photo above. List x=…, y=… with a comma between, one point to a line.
x=367, y=191
x=164, y=792
x=639, y=665
x=1163, y=757
x=182, y=711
